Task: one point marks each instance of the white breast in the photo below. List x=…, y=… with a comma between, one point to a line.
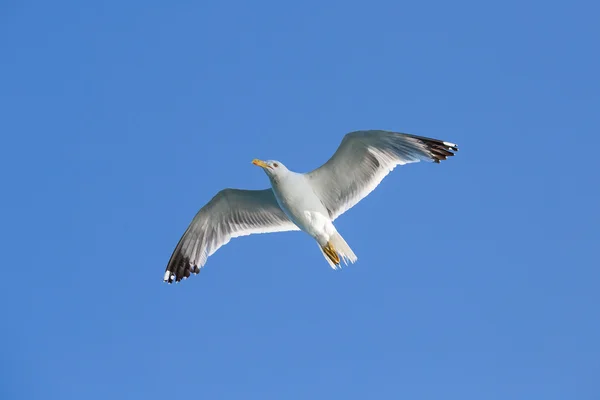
x=297, y=199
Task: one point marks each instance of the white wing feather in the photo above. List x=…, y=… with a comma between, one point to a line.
x=229, y=214
x=363, y=159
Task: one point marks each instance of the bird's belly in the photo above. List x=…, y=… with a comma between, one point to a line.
x=316, y=225
x=309, y=214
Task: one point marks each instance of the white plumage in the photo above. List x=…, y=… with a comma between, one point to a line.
x=309, y=202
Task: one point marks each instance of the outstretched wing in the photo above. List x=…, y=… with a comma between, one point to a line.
x=231, y=213
x=363, y=159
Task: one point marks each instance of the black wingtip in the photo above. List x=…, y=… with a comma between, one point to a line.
x=179, y=268
x=438, y=149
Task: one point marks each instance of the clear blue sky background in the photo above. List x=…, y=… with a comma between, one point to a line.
x=477, y=278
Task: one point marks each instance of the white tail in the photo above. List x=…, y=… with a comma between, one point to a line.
x=341, y=247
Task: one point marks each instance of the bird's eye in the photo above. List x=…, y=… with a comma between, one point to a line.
x=275, y=165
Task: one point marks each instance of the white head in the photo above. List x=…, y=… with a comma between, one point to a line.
x=273, y=168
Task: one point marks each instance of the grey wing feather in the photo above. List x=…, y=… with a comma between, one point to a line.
x=230, y=213
x=363, y=159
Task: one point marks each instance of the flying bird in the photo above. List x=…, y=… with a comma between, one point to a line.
x=302, y=201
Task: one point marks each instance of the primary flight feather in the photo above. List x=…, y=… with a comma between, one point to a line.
x=309, y=202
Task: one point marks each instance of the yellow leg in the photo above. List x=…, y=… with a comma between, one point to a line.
x=331, y=253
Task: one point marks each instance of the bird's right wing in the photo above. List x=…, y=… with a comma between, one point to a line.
x=363, y=159
x=231, y=213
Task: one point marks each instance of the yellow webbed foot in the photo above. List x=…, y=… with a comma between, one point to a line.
x=331, y=253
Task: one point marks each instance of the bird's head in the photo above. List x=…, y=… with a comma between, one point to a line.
x=273, y=168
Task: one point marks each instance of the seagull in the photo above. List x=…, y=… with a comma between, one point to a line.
x=309, y=202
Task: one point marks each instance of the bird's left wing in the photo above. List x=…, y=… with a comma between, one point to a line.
x=230, y=213
x=363, y=159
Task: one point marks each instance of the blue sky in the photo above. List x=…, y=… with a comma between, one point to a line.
x=477, y=278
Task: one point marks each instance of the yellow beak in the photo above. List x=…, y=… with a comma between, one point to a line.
x=260, y=163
